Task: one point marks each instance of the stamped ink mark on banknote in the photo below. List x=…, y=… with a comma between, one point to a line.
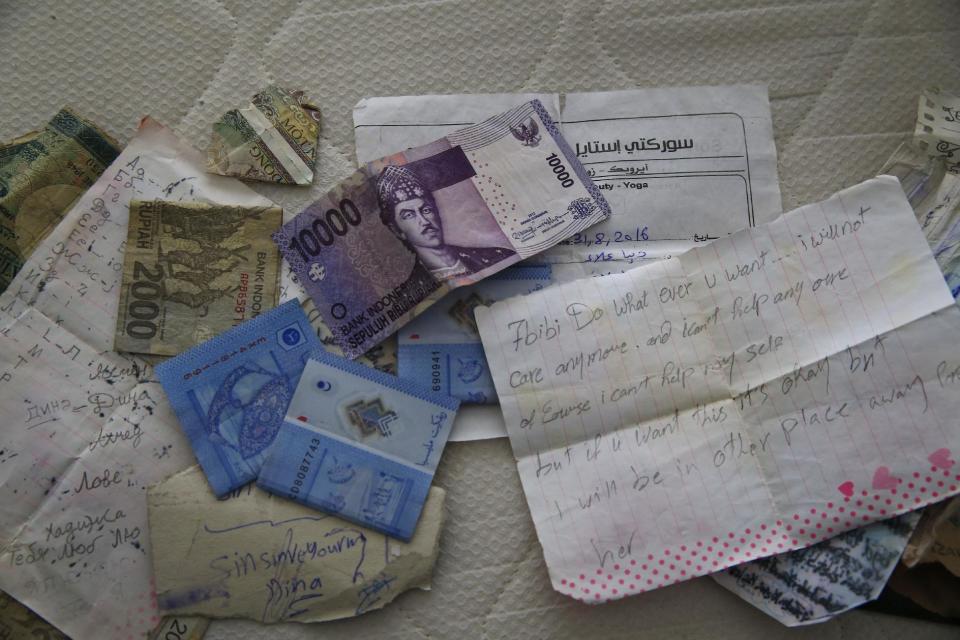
x=398, y=234
x=193, y=270
x=231, y=393
x=359, y=443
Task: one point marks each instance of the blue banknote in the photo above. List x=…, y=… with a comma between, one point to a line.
x=231, y=393
x=359, y=443
x=441, y=348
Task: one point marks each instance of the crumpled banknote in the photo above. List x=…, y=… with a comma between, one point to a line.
x=273, y=139
x=42, y=173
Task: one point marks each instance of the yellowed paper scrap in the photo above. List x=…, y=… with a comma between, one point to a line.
x=256, y=556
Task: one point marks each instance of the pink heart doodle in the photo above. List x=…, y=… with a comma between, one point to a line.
x=882, y=479
x=846, y=488
x=941, y=459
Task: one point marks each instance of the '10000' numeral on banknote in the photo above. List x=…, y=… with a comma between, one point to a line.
x=402, y=231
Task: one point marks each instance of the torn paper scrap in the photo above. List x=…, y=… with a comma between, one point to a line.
x=938, y=126
x=359, y=443
x=273, y=139
x=817, y=583
x=441, y=348
x=231, y=393
x=180, y=628
x=941, y=539
x=757, y=395
x=42, y=174
x=929, y=586
x=253, y=555
x=193, y=270
x=934, y=195
x=399, y=233
x=88, y=429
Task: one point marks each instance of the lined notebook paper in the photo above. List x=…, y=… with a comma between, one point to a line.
x=752, y=396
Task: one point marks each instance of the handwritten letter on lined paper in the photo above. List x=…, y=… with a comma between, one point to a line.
x=756, y=395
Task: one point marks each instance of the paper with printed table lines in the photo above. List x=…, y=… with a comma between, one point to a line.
x=679, y=165
x=752, y=396
x=87, y=429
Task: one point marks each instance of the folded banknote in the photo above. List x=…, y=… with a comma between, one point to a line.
x=230, y=394
x=193, y=270
x=42, y=173
x=402, y=231
x=359, y=443
x=273, y=139
x=441, y=348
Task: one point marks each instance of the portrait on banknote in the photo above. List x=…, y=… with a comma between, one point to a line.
x=410, y=210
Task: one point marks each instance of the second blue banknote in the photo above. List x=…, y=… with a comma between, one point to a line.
x=359, y=443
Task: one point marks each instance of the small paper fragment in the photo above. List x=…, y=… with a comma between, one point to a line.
x=812, y=585
x=255, y=556
x=273, y=139
x=938, y=126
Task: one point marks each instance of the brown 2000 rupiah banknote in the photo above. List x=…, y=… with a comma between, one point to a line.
x=194, y=270
x=42, y=173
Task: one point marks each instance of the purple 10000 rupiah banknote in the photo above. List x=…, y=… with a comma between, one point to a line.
x=402, y=231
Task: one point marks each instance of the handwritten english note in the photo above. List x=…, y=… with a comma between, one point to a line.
x=753, y=396
x=87, y=429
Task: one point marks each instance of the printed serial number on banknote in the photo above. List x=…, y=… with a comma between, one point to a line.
x=402, y=231
x=193, y=270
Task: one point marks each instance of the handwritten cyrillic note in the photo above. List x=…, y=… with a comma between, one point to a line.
x=86, y=429
x=252, y=555
x=753, y=396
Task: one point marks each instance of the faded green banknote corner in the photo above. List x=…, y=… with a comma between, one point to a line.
x=42, y=173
